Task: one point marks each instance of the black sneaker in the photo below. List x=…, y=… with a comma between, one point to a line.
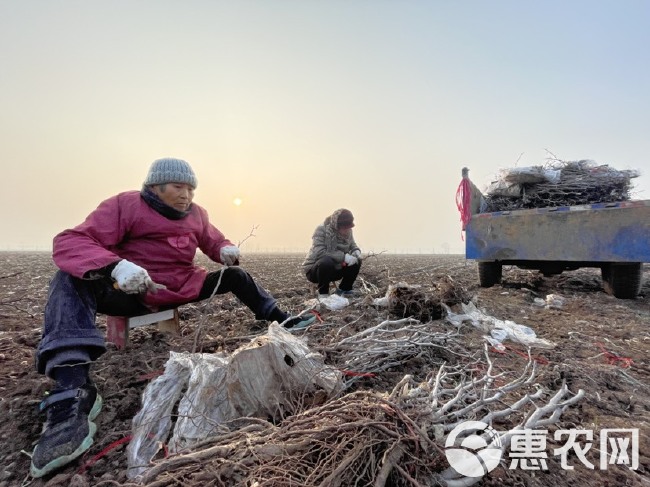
x=68, y=430
x=295, y=323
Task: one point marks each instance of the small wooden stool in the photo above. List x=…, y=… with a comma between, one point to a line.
x=117, y=327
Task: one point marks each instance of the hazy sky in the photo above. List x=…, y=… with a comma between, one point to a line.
x=301, y=107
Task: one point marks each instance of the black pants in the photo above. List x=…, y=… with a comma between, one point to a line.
x=327, y=270
x=69, y=331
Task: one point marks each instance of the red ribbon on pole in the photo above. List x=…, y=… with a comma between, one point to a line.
x=464, y=199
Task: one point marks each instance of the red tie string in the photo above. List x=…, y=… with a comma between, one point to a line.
x=463, y=201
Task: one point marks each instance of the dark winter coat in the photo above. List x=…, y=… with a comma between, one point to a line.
x=327, y=241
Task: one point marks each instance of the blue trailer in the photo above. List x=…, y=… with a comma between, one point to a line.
x=614, y=237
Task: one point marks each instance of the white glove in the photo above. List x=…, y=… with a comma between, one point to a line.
x=350, y=259
x=229, y=255
x=133, y=279
x=356, y=253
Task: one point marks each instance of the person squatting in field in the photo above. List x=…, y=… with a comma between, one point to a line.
x=334, y=255
x=133, y=255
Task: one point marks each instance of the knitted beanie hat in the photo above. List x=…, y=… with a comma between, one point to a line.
x=344, y=218
x=170, y=170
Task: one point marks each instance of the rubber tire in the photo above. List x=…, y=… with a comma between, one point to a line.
x=605, y=272
x=489, y=273
x=622, y=281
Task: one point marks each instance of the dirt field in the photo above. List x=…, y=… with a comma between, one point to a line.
x=602, y=347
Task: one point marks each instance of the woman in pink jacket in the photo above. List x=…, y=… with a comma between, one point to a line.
x=133, y=255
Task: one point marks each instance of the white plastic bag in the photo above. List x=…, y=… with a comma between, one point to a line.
x=497, y=328
x=553, y=175
x=504, y=188
x=153, y=422
x=554, y=301
x=523, y=175
x=333, y=302
x=268, y=377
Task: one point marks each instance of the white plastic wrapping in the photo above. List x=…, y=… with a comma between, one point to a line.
x=531, y=174
x=268, y=377
x=152, y=423
x=499, y=330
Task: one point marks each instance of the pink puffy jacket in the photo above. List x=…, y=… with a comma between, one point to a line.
x=126, y=227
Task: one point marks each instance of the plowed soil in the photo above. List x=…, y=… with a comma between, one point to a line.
x=602, y=347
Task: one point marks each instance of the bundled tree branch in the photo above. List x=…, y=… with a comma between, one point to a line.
x=370, y=438
x=391, y=343
x=579, y=183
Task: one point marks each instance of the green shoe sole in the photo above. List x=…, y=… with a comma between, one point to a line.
x=303, y=325
x=81, y=449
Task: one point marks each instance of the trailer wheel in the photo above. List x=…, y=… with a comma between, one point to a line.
x=605, y=273
x=489, y=273
x=622, y=281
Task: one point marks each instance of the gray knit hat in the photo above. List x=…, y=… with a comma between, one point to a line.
x=170, y=170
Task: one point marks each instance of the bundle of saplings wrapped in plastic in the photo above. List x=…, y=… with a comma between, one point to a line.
x=558, y=183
